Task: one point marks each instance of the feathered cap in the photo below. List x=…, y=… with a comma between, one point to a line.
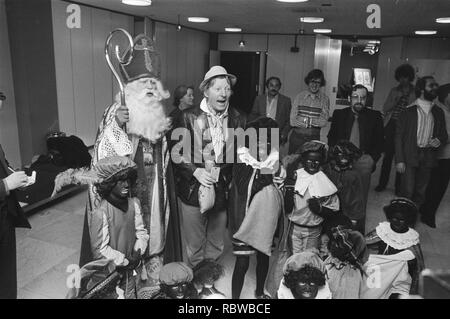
x=146, y=61
x=314, y=146
x=110, y=166
x=103, y=170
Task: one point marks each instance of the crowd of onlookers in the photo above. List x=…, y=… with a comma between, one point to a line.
x=297, y=203
x=306, y=222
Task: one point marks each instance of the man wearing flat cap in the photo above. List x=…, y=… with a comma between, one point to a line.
x=207, y=128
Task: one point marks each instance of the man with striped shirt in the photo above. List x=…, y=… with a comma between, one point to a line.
x=420, y=132
x=310, y=112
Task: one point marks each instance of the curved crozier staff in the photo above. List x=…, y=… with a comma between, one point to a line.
x=125, y=60
x=81, y=176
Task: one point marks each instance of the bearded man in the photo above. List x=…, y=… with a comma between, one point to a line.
x=138, y=130
x=420, y=131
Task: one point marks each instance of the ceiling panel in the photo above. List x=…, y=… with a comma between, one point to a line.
x=344, y=17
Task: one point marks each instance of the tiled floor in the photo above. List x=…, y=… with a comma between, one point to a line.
x=45, y=251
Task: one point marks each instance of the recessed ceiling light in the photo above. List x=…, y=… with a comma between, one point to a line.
x=443, y=20
x=426, y=32
x=292, y=1
x=311, y=19
x=233, y=29
x=322, y=30
x=198, y=19
x=141, y=3
x=374, y=41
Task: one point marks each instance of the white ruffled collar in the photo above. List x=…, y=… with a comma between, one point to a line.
x=318, y=185
x=397, y=241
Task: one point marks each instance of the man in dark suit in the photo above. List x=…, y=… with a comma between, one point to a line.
x=364, y=128
x=273, y=105
x=11, y=216
x=419, y=133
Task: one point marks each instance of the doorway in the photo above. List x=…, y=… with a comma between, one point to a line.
x=246, y=66
x=357, y=59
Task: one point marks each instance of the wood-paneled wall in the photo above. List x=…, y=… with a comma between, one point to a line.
x=290, y=67
x=32, y=59
x=184, y=57
x=9, y=136
x=85, y=84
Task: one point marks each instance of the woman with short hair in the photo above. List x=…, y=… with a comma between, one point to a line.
x=183, y=99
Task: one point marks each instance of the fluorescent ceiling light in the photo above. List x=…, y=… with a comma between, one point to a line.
x=374, y=41
x=311, y=19
x=292, y=1
x=198, y=19
x=426, y=32
x=141, y=3
x=233, y=29
x=322, y=30
x=443, y=20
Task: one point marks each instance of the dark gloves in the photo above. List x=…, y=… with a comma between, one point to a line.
x=314, y=205
x=134, y=259
x=289, y=199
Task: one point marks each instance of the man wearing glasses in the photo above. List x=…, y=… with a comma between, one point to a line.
x=364, y=128
x=310, y=112
x=420, y=132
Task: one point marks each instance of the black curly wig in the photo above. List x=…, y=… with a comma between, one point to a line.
x=207, y=270
x=404, y=206
x=105, y=187
x=307, y=273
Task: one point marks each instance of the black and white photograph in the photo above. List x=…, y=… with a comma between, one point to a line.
x=243, y=151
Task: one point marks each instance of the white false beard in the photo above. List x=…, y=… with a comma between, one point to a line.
x=147, y=116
